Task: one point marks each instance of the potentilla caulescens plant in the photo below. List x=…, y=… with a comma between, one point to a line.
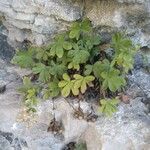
x=73, y=62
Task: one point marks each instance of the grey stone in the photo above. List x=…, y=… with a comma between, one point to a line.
x=138, y=61
x=2, y=88
x=4, y=144
x=6, y=51
x=29, y=20
x=9, y=142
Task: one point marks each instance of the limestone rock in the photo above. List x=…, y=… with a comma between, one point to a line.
x=38, y=18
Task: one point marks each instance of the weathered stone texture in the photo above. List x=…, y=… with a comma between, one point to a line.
x=38, y=20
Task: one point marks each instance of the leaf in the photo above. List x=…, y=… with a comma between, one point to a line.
x=88, y=69
x=42, y=54
x=80, y=146
x=81, y=82
x=86, y=25
x=108, y=106
x=75, y=31
x=66, y=77
x=78, y=28
x=124, y=51
x=66, y=90
x=27, y=85
x=67, y=45
x=60, y=44
x=57, y=70
x=112, y=80
x=53, y=90
x=90, y=41
x=77, y=57
x=65, y=85
x=101, y=66
x=31, y=100
x=43, y=71
x=25, y=59
x=59, y=51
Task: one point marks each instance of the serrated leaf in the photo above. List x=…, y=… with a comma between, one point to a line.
x=66, y=77
x=43, y=71
x=75, y=31
x=112, y=80
x=83, y=86
x=67, y=45
x=27, y=85
x=59, y=51
x=52, y=90
x=86, y=25
x=101, y=66
x=24, y=59
x=66, y=90
x=108, y=106
x=78, y=76
x=81, y=82
x=88, y=69
x=62, y=84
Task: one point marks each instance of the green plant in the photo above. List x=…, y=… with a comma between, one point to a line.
x=74, y=61
x=29, y=91
x=124, y=51
x=80, y=146
x=79, y=83
x=109, y=106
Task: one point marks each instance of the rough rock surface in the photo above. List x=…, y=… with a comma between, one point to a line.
x=38, y=20
x=132, y=16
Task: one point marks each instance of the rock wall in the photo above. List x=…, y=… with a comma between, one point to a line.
x=38, y=20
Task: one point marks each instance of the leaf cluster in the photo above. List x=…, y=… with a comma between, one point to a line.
x=74, y=61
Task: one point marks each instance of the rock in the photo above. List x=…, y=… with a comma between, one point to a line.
x=2, y=88
x=6, y=51
x=138, y=61
x=9, y=142
x=38, y=20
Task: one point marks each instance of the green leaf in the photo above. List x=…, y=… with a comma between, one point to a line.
x=57, y=70
x=124, y=51
x=112, y=80
x=42, y=54
x=78, y=28
x=27, y=85
x=75, y=31
x=86, y=25
x=66, y=77
x=88, y=69
x=77, y=57
x=108, y=106
x=53, y=90
x=43, y=71
x=59, y=51
x=24, y=59
x=80, y=146
x=81, y=82
x=101, y=66
x=65, y=85
x=66, y=90
x=67, y=45
x=60, y=44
